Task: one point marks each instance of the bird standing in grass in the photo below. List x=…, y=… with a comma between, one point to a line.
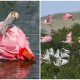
x=46, y=57
x=51, y=52
x=68, y=38
x=45, y=39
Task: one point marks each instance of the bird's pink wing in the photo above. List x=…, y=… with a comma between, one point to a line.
x=23, y=42
x=46, y=38
x=67, y=16
x=49, y=19
x=69, y=37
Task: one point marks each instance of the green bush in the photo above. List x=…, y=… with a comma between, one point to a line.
x=72, y=69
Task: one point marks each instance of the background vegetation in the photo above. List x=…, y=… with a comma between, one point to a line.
x=72, y=69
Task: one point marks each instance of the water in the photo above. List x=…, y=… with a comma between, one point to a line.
x=29, y=23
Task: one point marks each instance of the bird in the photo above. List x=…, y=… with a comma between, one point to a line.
x=41, y=57
x=60, y=62
x=78, y=39
x=45, y=39
x=14, y=44
x=7, y=22
x=68, y=38
x=51, y=52
x=46, y=56
x=57, y=54
x=57, y=63
x=68, y=16
x=64, y=61
x=67, y=51
x=64, y=54
x=47, y=21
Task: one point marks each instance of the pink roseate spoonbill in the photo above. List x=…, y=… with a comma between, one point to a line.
x=48, y=20
x=68, y=39
x=45, y=39
x=13, y=42
x=68, y=17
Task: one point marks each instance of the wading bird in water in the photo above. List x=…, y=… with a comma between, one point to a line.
x=14, y=44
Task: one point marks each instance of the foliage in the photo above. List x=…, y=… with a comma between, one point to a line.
x=72, y=69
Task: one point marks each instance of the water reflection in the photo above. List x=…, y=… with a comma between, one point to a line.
x=15, y=70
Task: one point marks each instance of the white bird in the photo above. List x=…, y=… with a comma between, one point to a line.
x=57, y=63
x=60, y=62
x=46, y=56
x=51, y=52
x=64, y=61
x=64, y=54
x=56, y=55
x=67, y=51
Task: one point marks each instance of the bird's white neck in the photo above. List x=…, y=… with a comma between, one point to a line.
x=8, y=21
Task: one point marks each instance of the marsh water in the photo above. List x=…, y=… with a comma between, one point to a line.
x=29, y=23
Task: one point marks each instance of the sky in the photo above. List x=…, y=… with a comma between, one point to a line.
x=52, y=7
